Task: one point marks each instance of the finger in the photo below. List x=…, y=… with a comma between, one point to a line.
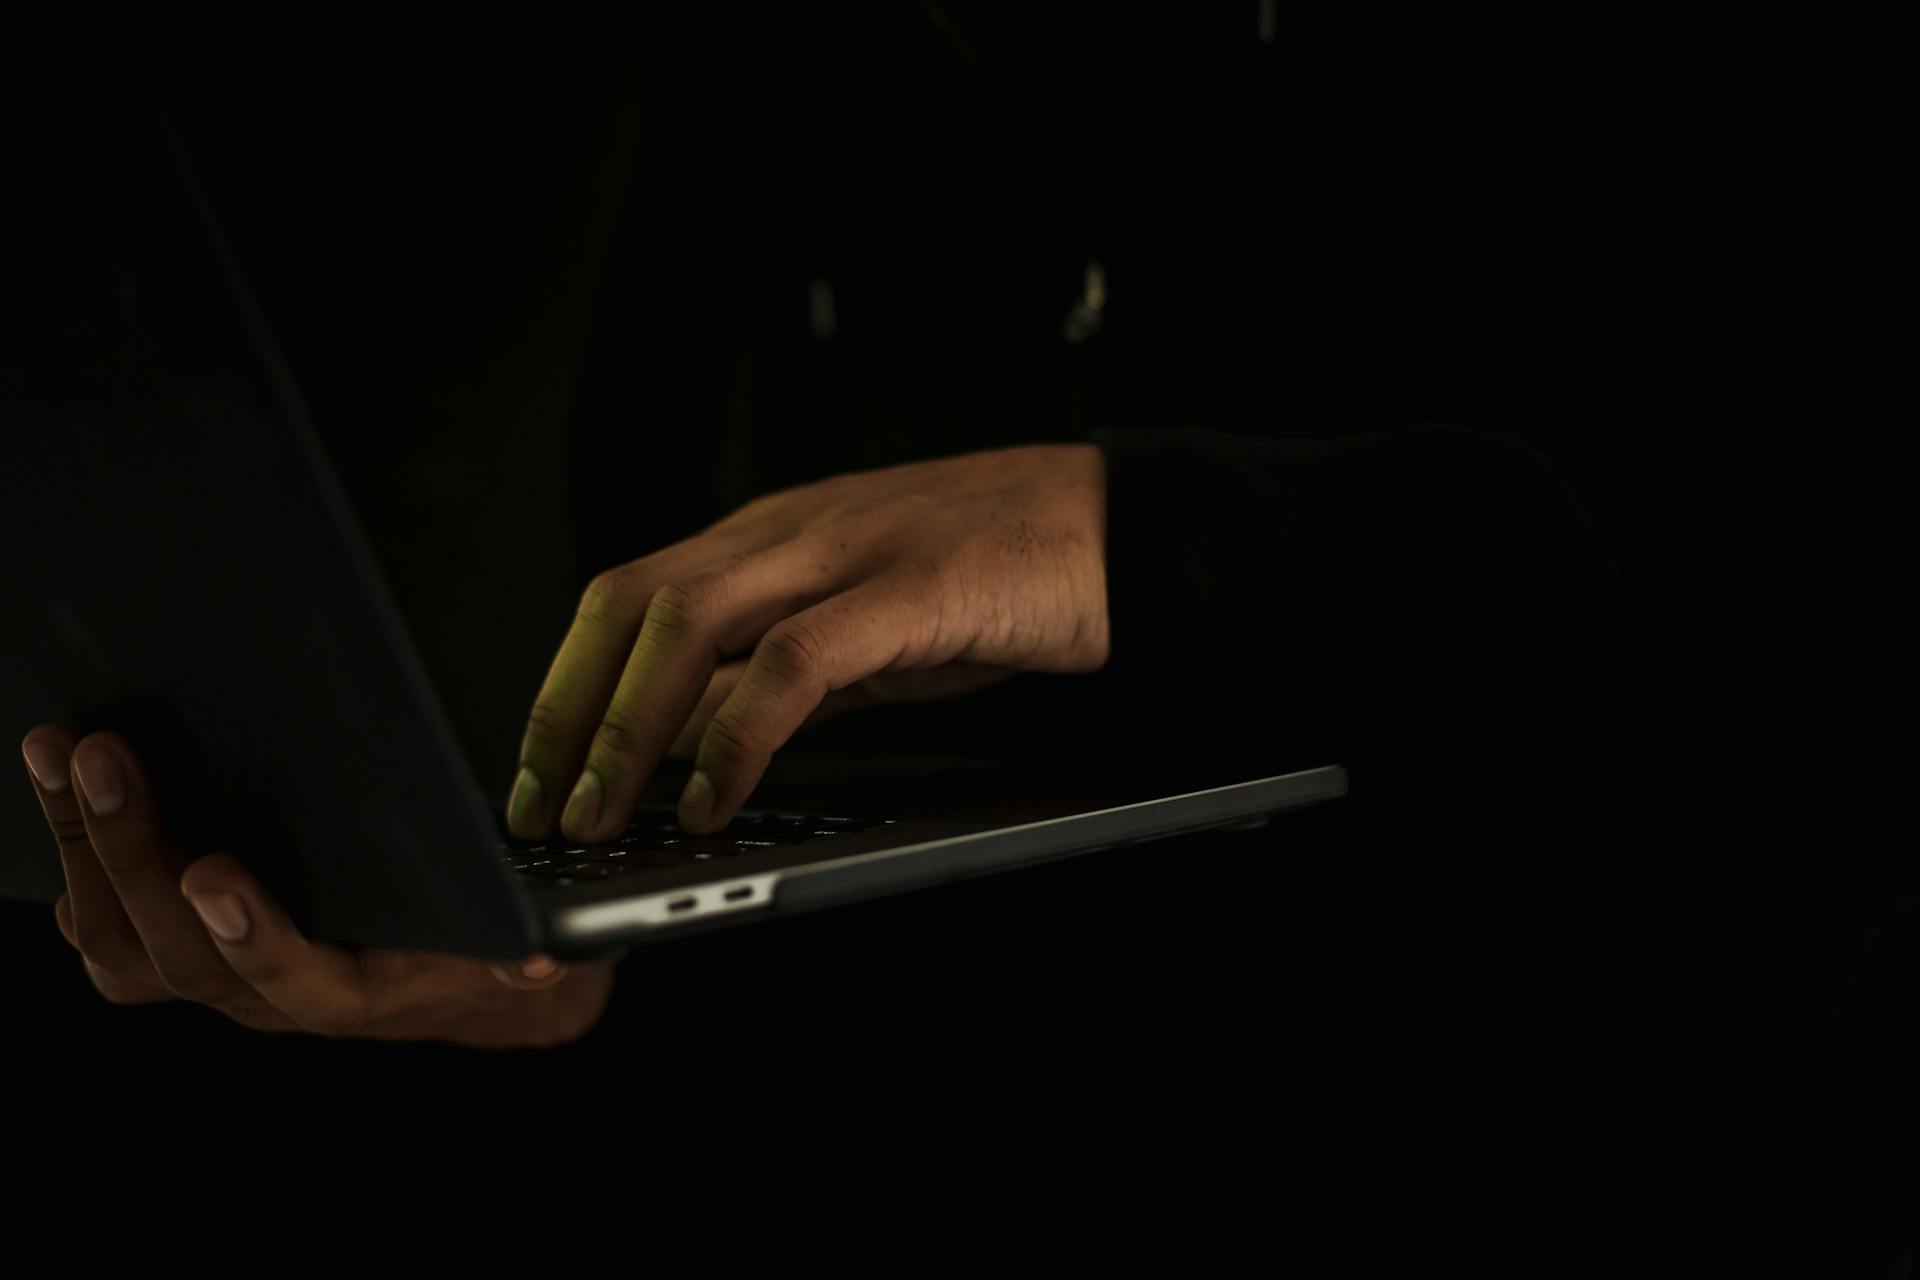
x=796, y=665
x=315, y=985
x=690, y=626
x=118, y=989
x=535, y=973
x=586, y=669
x=101, y=928
x=725, y=677
x=124, y=827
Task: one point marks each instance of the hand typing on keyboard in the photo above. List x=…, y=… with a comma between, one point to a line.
x=153, y=924
x=901, y=584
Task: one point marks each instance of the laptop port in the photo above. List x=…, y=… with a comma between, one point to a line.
x=682, y=904
x=734, y=895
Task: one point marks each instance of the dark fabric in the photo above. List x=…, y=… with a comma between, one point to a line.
x=1430, y=599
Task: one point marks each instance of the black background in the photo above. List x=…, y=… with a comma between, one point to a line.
x=545, y=281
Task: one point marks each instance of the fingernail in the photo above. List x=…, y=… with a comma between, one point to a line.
x=539, y=967
x=696, y=802
x=583, y=807
x=100, y=781
x=48, y=764
x=224, y=914
x=524, y=808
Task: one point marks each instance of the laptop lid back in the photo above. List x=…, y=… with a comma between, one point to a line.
x=185, y=568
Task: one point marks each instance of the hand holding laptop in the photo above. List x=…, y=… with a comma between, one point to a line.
x=152, y=925
x=902, y=584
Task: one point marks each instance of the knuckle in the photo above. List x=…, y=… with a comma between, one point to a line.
x=605, y=597
x=544, y=722
x=793, y=651
x=679, y=608
x=69, y=828
x=621, y=732
x=730, y=738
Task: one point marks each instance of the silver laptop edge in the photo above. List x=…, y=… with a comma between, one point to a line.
x=951, y=857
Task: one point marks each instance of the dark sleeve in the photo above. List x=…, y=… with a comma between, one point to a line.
x=1429, y=605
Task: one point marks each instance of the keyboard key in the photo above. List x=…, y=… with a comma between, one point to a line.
x=814, y=830
x=579, y=870
x=605, y=853
x=601, y=870
x=724, y=844
x=767, y=833
x=646, y=828
x=656, y=859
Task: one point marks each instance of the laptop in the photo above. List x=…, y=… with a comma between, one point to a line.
x=187, y=569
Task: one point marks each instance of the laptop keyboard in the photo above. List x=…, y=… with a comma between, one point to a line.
x=652, y=842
